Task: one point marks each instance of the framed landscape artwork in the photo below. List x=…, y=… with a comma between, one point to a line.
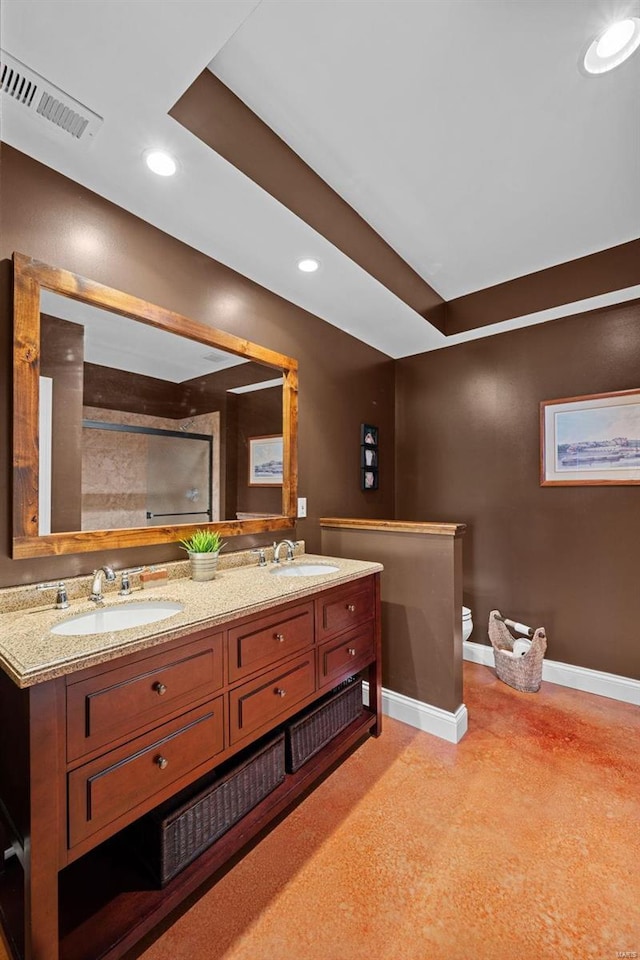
x=265, y=461
x=590, y=440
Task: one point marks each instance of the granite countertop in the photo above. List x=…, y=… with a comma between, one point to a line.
x=30, y=653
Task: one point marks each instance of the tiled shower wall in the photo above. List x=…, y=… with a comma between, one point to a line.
x=119, y=479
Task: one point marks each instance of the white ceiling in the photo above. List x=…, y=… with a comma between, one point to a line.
x=115, y=341
x=463, y=132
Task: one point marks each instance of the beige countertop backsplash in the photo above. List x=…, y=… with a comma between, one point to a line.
x=30, y=653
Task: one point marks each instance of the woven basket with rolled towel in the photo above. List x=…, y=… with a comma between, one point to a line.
x=523, y=672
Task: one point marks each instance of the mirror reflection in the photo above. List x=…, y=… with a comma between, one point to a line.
x=141, y=427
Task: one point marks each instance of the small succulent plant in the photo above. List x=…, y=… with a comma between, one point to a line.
x=203, y=541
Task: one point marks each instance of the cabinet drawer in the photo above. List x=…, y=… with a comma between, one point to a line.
x=344, y=608
x=124, y=781
x=119, y=702
x=341, y=657
x=263, y=701
x=268, y=639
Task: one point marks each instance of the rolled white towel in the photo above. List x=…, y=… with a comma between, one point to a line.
x=519, y=627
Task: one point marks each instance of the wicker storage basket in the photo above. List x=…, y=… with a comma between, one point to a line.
x=525, y=672
x=175, y=833
x=310, y=732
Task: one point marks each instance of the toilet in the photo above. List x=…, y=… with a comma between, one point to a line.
x=467, y=623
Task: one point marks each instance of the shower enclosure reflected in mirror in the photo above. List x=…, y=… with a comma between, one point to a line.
x=131, y=422
x=155, y=473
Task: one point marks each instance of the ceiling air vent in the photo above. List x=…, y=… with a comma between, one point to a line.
x=44, y=101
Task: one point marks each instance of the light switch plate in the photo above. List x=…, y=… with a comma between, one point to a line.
x=302, y=507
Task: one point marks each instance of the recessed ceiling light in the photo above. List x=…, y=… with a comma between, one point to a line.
x=161, y=163
x=614, y=46
x=308, y=265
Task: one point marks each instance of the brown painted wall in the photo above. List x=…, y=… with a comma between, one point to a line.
x=259, y=415
x=112, y=389
x=342, y=381
x=421, y=593
x=468, y=450
x=62, y=352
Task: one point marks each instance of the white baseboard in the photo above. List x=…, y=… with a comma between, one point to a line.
x=579, y=678
x=433, y=720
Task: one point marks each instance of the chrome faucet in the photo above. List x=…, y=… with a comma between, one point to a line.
x=289, y=544
x=96, y=589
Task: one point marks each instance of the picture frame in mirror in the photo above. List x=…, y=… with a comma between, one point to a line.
x=266, y=461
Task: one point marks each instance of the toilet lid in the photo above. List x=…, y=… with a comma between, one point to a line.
x=466, y=613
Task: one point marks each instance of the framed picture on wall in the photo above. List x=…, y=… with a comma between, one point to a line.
x=591, y=440
x=368, y=457
x=369, y=479
x=369, y=434
x=265, y=461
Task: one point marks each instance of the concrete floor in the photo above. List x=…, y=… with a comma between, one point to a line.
x=522, y=841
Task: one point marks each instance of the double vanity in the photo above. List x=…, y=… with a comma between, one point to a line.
x=101, y=727
x=109, y=710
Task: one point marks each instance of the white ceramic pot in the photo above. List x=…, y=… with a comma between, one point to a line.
x=203, y=565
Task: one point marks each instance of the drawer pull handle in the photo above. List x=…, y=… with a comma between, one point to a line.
x=162, y=762
x=351, y=607
x=160, y=689
x=279, y=637
x=351, y=651
x=280, y=692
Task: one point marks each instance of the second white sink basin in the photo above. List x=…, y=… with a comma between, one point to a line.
x=112, y=619
x=305, y=570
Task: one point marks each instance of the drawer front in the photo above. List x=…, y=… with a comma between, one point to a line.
x=262, y=702
x=338, y=659
x=268, y=639
x=344, y=608
x=115, y=704
x=119, y=783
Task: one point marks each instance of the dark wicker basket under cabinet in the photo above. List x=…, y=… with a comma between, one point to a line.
x=314, y=729
x=177, y=832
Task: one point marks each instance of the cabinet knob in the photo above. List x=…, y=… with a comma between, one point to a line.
x=351, y=607
x=280, y=692
x=279, y=637
x=351, y=651
x=160, y=688
x=162, y=762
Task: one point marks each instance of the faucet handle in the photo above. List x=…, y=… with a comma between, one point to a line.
x=125, y=588
x=262, y=560
x=62, y=600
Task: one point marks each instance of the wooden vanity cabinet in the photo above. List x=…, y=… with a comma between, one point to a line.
x=118, y=701
x=91, y=752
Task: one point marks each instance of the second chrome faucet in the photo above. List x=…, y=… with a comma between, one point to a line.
x=290, y=545
x=96, y=589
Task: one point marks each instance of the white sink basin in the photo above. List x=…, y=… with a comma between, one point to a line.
x=305, y=570
x=112, y=619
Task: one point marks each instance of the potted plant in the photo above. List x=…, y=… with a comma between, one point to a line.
x=203, y=549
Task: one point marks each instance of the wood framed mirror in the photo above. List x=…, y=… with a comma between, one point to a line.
x=131, y=422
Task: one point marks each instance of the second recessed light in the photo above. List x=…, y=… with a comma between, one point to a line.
x=308, y=265
x=613, y=47
x=161, y=163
